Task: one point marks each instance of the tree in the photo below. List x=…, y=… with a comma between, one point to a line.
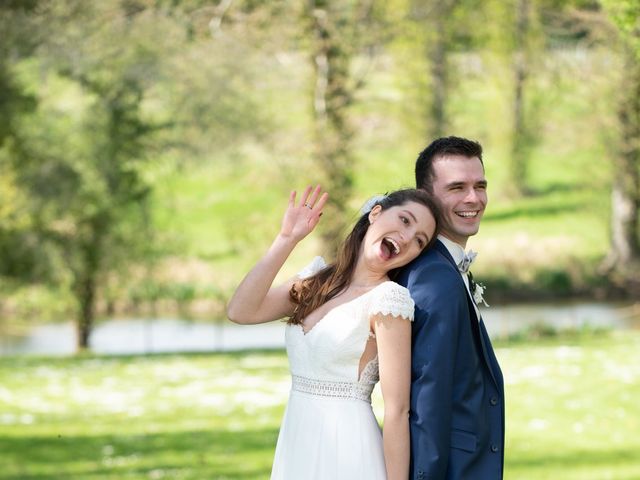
x=93, y=97
x=334, y=36
x=20, y=259
x=436, y=30
x=338, y=32
x=624, y=256
x=515, y=38
x=438, y=57
x=519, y=147
x=81, y=166
x=90, y=194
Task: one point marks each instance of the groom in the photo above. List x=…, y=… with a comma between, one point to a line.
x=457, y=391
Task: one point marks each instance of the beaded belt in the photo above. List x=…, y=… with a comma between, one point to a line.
x=359, y=391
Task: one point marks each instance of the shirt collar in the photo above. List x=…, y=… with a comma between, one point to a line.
x=455, y=250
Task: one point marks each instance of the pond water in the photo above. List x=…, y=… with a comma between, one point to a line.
x=140, y=336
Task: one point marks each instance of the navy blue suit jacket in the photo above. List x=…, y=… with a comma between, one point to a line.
x=457, y=389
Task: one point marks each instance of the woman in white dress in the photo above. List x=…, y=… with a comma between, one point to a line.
x=348, y=327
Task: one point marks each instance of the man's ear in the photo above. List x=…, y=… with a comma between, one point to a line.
x=375, y=213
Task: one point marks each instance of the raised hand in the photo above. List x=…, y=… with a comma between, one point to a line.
x=300, y=220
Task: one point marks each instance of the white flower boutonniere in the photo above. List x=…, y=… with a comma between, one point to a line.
x=478, y=292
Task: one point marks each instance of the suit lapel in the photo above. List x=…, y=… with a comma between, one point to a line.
x=477, y=326
x=490, y=356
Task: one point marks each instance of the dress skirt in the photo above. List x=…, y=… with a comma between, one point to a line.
x=325, y=438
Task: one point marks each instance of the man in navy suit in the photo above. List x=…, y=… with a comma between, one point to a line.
x=457, y=389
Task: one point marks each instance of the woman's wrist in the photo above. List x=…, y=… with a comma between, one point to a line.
x=285, y=241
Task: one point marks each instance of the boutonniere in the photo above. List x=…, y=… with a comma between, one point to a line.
x=477, y=290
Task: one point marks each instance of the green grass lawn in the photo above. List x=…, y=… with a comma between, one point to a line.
x=572, y=413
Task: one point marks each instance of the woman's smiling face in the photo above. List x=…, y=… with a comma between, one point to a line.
x=398, y=234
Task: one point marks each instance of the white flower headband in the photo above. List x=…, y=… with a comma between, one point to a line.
x=372, y=202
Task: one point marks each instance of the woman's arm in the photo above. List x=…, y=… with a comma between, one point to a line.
x=393, y=337
x=255, y=301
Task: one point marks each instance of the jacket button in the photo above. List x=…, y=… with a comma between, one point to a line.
x=494, y=401
x=494, y=448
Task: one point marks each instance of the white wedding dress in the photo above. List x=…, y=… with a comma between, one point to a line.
x=329, y=431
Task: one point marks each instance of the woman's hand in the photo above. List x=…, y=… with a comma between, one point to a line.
x=300, y=220
x=255, y=300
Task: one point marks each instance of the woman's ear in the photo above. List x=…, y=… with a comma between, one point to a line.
x=374, y=213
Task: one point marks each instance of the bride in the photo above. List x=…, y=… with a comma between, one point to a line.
x=348, y=327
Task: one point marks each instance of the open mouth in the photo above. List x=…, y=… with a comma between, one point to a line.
x=389, y=247
x=470, y=214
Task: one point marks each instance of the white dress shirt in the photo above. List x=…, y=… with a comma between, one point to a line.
x=457, y=252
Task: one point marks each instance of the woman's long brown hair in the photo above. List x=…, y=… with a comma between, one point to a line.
x=312, y=292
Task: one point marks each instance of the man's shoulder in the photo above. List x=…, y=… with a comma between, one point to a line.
x=431, y=260
x=431, y=269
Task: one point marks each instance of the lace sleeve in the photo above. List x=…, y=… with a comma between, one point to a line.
x=392, y=299
x=312, y=268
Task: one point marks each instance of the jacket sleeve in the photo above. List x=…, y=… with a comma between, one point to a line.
x=441, y=306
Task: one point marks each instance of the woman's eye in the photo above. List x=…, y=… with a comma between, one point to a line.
x=404, y=220
x=420, y=243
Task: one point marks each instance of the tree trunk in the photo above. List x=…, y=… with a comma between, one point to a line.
x=332, y=131
x=519, y=148
x=624, y=218
x=85, y=294
x=85, y=284
x=438, y=60
x=624, y=256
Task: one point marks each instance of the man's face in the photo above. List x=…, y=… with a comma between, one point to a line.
x=461, y=188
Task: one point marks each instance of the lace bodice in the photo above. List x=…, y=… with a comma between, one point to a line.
x=326, y=359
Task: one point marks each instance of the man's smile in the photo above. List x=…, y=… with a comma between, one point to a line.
x=468, y=214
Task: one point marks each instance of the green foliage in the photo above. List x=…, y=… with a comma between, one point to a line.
x=24, y=302
x=557, y=281
x=173, y=131
x=542, y=331
x=98, y=105
x=625, y=14
x=150, y=292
